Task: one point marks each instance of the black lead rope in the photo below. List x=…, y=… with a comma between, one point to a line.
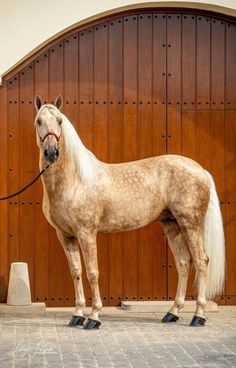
x=27, y=186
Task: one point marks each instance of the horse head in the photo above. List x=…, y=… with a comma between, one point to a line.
x=48, y=123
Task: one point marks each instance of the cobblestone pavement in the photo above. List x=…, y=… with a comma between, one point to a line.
x=125, y=339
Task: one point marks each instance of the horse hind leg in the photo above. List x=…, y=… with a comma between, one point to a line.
x=195, y=243
x=181, y=255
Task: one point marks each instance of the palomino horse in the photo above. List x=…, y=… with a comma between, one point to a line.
x=84, y=196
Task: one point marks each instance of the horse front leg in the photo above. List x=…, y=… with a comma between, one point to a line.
x=71, y=248
x=88, y=245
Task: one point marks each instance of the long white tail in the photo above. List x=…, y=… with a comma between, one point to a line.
x=214, y=244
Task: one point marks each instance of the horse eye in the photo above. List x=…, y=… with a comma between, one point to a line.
x=59, y=121
x=39, y=121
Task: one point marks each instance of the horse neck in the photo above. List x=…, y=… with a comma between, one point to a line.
x=60, y=174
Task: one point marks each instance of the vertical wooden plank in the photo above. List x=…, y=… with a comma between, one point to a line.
x=145, y=85
x=71, y=90
x=188, y=79
x=173, y=113
x=159, y=264
x=130, y=84
x=174, y=83
x=58, y=262
x=204, y=138
x=86, y=100
x=56, y=69
x=203, y=62
x=203, y=123
x=230, y=66
x=100, y=131
x=145, y=147
x=230, y=198
x=100, y=128
x=217, y=64
x=115, y=72
x=230, y=233
x=216, y=149
x=230, y=159
x=189, y=131
x=115, y=90
x=42, y=271
x=4, y=264
x=41, y=70
x=26, y=163
x=159, y=84
x=13, y=168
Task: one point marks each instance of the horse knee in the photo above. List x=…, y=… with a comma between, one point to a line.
x=76, y=273
x=185, y=265
x=201, y=265
x=93, y=275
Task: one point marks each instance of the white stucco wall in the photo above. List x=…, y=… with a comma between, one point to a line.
x=27, y=24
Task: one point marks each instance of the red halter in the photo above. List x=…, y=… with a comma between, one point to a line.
x=50, y=133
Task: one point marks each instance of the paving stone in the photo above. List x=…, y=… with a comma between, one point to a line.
x=125, y=339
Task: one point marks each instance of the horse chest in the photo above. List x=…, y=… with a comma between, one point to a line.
x=71, y=215
x=58, y=217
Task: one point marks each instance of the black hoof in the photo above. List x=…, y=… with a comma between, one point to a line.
x=198, y=321
x=91, y=324
x=76, y=321
x=169, y=317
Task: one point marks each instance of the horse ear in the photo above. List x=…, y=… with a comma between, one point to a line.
x=37, y=102
x=58, y=102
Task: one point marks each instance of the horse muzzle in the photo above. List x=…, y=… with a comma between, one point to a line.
x=51, y=154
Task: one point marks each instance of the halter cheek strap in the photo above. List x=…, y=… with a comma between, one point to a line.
x=50, y=133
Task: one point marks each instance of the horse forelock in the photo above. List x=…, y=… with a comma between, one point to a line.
x=50, y=108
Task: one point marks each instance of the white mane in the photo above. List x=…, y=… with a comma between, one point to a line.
x=85, y=160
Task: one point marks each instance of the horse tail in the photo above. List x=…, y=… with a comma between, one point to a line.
x=214, y=244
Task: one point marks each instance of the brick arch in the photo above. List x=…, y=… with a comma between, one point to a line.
x=142, y=83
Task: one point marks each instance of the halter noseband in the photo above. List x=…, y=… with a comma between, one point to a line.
x=50, y=133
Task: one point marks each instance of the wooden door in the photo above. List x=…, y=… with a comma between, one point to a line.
x=136, y=85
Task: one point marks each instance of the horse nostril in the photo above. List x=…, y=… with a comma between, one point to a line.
x=56, y=153
x=51, y=154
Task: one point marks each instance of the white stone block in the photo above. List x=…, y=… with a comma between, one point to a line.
x=19, y=286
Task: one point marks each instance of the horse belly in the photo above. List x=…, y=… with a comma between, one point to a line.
x=130, y=214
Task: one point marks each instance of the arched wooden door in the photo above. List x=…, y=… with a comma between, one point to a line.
x=134, y=85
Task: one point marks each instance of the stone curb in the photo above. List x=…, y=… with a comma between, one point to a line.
x=163, y=307
x=37, y=308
